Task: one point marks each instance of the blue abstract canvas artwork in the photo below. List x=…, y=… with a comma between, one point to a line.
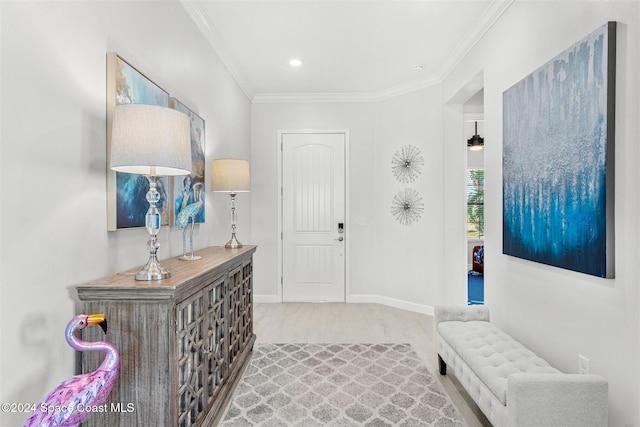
x=129, y=86
x=558, y=159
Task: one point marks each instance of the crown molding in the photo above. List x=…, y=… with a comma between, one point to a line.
x=484, y=23
x=412, y=86
x=262, y=98
x=392, y=92
x=206, y=27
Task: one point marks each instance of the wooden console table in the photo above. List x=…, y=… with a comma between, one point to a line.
x=182, y=340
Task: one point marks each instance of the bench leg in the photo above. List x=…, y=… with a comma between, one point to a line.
x=442, y=366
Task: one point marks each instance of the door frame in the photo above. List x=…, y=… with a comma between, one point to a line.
x=347, y=205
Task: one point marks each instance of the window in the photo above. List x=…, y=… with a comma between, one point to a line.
x=475, y=203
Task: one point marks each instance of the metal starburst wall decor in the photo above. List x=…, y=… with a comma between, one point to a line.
x=407, y=206
x=406, y=163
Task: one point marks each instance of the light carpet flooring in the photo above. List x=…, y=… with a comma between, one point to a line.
x=361, y=323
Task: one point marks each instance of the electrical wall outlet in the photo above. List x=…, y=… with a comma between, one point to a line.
x=583, y=364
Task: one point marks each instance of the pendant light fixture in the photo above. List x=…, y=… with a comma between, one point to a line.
x=476, y=142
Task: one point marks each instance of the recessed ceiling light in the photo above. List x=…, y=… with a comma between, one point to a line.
x=295, y=63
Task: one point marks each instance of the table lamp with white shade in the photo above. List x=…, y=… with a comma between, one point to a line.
x=152, y=141
x=231, y=176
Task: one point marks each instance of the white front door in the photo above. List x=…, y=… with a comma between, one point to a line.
x=313, y=216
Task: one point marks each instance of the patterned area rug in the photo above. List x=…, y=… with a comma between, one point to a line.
x=308, y=385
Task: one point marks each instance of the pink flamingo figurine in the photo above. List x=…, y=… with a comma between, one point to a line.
x=73, y=400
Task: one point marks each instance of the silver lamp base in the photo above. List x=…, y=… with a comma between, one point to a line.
x=233, y=243
x=152, y=271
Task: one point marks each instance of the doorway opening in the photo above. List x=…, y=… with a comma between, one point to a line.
x=473, y=113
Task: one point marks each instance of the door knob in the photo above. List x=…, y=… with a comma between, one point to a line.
x=339, y=239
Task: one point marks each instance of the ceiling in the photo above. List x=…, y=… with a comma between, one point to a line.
x=359, y=48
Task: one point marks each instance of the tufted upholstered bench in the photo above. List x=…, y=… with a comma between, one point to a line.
x=511, y=385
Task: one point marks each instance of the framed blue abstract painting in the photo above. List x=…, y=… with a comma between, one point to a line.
x=126, y=203
x=189, y=189
x=558, y=159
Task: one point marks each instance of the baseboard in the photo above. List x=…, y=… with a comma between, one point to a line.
x=374, y=299
x=392, y=302
x=266, y=299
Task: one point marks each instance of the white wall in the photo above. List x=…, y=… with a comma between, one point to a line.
x=409, y=259
x=53, y=164
x=390, y=263
x=557, y=313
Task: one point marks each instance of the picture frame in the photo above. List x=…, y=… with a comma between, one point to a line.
x=126, y=203
x=190, y=188
x=558, y=159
